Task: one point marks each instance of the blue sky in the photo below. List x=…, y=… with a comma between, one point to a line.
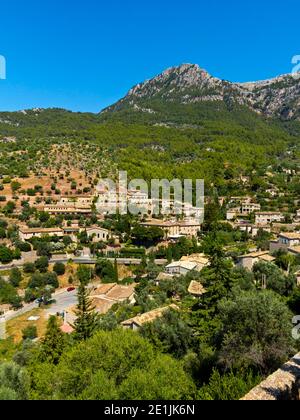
x=85, y=55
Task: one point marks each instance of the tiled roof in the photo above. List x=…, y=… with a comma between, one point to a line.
x=148, y=316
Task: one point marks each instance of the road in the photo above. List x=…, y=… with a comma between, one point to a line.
x=86, y=261
x=63, y=300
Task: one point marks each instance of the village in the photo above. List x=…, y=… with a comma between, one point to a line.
x=77, y=230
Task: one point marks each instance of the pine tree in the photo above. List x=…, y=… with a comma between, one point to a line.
x=87, y=319
x=53, y=344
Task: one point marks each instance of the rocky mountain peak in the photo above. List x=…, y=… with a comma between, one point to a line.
x=190, y=84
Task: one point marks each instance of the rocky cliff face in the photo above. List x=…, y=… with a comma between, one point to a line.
x=189, y=84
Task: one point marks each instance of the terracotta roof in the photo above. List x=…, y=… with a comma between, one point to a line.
x=166, y=224
x=102, y=305
x=267, y=258
x=164, y=276
x=67, y=329
x=255, y=254
x=269, y=213
x=196, y=288
x=290, y=235
x=113, y=291
x=121, y=292
x=102, y=289
x=40, y=230
x=197, y=258
x=295, y=249
x=187, y=265
x=148, y=316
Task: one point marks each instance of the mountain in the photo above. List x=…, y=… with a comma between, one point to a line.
x=192, y=89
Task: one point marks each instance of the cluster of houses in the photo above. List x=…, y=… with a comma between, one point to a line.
x=94, y=233
x=105, y=296
x=70, y=206
x=286, y=241
x=174, y=229
x=138, y=202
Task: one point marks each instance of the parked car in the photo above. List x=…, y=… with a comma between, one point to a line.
x=39, y=301
x=71, y=289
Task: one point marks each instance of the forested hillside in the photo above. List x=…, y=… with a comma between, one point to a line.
x=203, y=142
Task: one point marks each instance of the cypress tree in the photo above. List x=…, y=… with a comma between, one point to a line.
x=87, y=319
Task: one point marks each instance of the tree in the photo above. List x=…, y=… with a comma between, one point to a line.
x=29, y=268
x=29, y=333
x=16, y=303
x=67, y=240
x=15, y=277
x=142, y=235
x=59, y=269
x=119, y=365
x=9, y=208
x=170, y=333
x=8, y=293
x=51, y=279
x=228, y=387
x=6, y=255
x=23, y=246
x=14, y=382
x=87, y=320
x=53, y=343
x=84, y=274
x=15, y=186
x=217, y=277
x=37, y=280
x=43, y=248
x=42, y=264
x=2, y=233
x=105, y=270
x=255, y=332
x=275, y=278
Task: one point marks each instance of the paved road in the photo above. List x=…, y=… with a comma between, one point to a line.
x=86, y=261
x=63, y=300
x=120, y=261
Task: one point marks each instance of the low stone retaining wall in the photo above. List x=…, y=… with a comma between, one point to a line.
x=282, y=385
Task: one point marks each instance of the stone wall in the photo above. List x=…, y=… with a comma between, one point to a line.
x=282, y=385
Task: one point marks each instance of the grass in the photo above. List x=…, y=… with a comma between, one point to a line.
x=15, y=326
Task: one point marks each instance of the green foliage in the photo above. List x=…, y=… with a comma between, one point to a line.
x=86, y=321
x=106, y=271
x=147, y=236
x=256, y=331
x=14, y=382
x=6, y=254
x=15, y=277
x=170, y=333
x=114, y=365
x=29, y=268
x=275, y=278
x=230, y=386
x=8, y=293
x=84, y=274
x=42, y=264
x=53, y=343
x=59, y=269
x=29, y=333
